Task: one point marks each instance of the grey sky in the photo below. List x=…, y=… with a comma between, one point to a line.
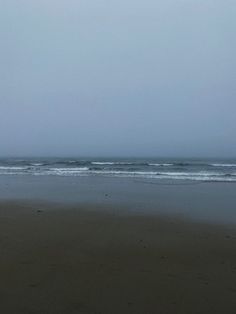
x=109, y=77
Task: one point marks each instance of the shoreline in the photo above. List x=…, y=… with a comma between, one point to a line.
x=205, y=202
x=78, y=259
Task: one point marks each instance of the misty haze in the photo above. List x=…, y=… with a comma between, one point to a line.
x=118, y=78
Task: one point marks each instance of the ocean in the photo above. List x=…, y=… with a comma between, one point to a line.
x=207, y=170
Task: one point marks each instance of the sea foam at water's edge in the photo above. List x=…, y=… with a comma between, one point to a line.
x=200, y=170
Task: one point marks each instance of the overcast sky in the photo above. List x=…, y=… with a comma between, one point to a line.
x=118, y=77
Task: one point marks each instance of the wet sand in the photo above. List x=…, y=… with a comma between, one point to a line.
x=76, y=259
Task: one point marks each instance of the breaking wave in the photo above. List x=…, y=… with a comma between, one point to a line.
x=149, y=169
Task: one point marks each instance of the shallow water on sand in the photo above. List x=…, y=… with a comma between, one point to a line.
x=211, y=202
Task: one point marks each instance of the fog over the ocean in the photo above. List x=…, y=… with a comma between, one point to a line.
x=127, y=77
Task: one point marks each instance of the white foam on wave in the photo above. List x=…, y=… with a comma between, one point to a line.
x=85, y=171
x=74, y=169
x=192, y=174
x=200, y=178
x=102, y=163
x=128, y=173
x=78, y=171
x=112, y=163
x=223, y=165
x=12, y=168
